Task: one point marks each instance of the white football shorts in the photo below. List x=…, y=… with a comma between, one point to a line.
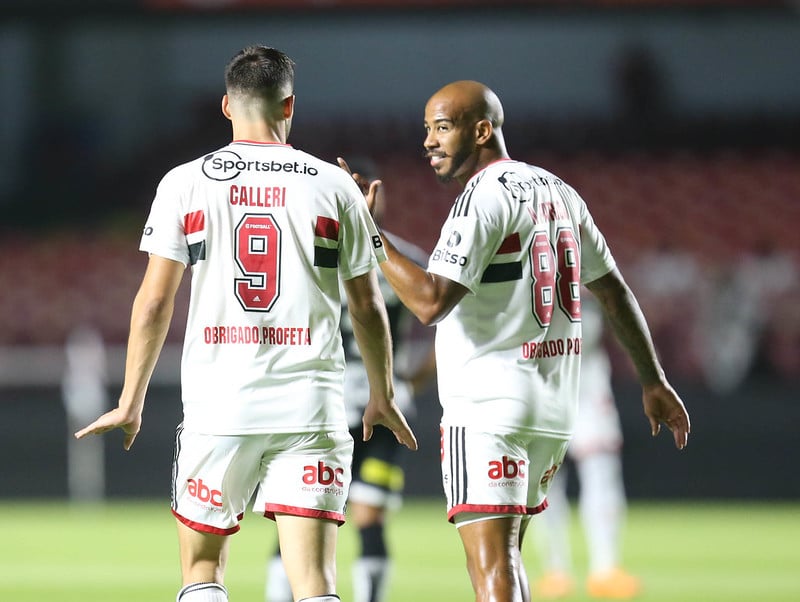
x=497, y=474
x=216, y=476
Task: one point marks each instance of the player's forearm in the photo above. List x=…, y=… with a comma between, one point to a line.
x=150, y=320
x=630, y=326
x=417, y=289
x=372, y=335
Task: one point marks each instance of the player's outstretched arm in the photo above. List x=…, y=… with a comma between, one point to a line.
x=371, y=331
x=150, y=319
x=661, y=402
x=428, y=296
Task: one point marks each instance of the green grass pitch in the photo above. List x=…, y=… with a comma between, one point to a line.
x=126, y=551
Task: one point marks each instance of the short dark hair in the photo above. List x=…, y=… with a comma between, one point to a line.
x=260, y=70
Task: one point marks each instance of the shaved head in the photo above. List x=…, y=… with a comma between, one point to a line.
x=472, y=100
x=463, y=121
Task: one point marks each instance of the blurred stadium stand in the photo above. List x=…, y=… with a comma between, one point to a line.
x=718, y=209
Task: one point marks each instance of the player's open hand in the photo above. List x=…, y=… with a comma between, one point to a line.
x=368, y=189
x=389, y=415
x=662, y=404
x=116, y=418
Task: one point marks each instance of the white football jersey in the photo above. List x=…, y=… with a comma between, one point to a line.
x=268, y=230
x=508, y=355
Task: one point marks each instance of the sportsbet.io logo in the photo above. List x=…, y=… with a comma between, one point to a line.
x=226, y=165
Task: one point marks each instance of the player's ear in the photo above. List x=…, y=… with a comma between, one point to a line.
x=483, y=131
x=288, y=107
x=226, y=109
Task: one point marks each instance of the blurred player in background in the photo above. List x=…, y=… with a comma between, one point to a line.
x=269, y=232
x=84, y=393
x=378, y=464
x=503, y=288
x=595, y=451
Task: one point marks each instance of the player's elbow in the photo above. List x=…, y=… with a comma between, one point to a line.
x=441, y=299
x=431, y=315
x=152, y=309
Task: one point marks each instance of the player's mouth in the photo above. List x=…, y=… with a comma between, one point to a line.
x=435, y=159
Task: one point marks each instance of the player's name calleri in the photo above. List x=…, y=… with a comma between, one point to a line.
x=257, y=335
x=257, y=196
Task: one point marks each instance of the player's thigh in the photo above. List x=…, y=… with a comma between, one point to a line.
x=492, y=541
x=308, y=550
x=203, y=555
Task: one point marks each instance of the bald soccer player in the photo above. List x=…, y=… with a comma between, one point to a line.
x=503, y=286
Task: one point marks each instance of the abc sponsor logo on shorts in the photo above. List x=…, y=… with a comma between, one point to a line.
x=506, y=472
x=549, y=474
x=323, y=479
x=226, y=165
x=203, y=493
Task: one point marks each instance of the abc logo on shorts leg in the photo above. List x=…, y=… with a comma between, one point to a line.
x=203, y=493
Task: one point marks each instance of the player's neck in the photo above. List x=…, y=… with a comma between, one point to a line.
x=261, y=132
x=485, y=157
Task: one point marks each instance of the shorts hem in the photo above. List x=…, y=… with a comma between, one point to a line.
x=495, y=509
x=203, y=528
x=271, y=509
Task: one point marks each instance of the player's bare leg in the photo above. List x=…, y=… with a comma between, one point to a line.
x=494, y=561
x=203, y=560
x=308, y=551
x=522, y=574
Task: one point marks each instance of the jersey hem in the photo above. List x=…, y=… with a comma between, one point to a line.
x=488, y=427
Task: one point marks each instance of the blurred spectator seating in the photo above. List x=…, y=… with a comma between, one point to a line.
x=680, y=224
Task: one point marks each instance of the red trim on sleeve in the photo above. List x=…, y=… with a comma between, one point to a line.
x=194, y=222
x=511, y=244
x=327, y=228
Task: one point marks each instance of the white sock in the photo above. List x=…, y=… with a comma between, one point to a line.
x=602, y=508
x=203, y=592
x=278, y=588
x=370, y=579
x=328, y=598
